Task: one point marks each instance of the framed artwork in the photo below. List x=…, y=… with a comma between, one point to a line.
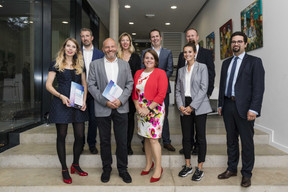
x=201, y=43
x=252, y=25
x=225, y=32
x=210, y=43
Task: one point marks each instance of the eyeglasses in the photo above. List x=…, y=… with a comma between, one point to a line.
x=239, y=42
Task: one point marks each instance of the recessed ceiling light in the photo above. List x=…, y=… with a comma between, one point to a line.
x=174, y=7
x=65, y=22
x=127, y=6
x=167, y=23
x=1, y=6
x=133, y=33
x=131, y=23
x=25, y=22
x=150, y=15
x=30, y=21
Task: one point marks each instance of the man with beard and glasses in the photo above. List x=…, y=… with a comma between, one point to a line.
x=240, y=100
x=204, y=56
x=90, y=53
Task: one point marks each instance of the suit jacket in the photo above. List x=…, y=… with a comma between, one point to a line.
x=97, y=82
x=97, y=54
x=249, y=85
x=165, y=63
x=204, y=56
x=198, y=89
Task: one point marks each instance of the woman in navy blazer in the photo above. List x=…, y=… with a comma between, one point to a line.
x=193, y=103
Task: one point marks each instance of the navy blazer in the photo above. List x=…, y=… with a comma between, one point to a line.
x=165, y=63
x=204, y=56
x=97, y=54
x=249, y=85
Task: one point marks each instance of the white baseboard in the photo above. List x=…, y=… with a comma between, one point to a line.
x=271, y=137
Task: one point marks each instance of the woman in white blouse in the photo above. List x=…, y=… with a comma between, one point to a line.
x=193, y=104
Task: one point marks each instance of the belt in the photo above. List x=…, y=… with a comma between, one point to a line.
x=232, y=98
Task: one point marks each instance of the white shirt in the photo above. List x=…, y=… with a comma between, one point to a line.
x=87, y=54
x=158, y=52
x=239, y=61
x=188, y=75
x=111, y=69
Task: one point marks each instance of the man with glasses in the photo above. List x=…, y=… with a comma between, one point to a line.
x=240, y=100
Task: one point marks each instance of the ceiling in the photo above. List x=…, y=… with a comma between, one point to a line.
x=179, y=18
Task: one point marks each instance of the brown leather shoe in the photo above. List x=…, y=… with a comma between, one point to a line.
x=169, y=147
x=246, y=182
x=226, y=175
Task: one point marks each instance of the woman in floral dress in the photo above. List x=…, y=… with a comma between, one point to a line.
x=150, y=87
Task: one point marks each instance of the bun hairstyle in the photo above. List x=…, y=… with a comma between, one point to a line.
x=191, y=44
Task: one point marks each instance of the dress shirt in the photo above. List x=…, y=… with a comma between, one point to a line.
x=158, y=52
x=188, y=76
x=239, y=61
x=111, y=69
x=197, y=49
x=87, y=54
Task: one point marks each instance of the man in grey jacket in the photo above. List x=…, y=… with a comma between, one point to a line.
x=101, y=72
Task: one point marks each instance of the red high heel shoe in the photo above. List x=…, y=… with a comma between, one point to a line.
x=152, y=180
x=68, y=181
x=147, y=172
x=81, y=172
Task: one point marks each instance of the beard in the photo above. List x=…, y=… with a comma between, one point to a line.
x=236, y=49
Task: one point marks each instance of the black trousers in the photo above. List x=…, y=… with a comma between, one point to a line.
x=131, y=122
x=235, y=126
x=120, y=124
x=188, y=123
x=92, y=124
x=165, y=130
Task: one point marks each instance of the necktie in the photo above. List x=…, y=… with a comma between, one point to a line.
x=230, y=82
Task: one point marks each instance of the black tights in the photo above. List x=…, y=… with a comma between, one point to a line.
x=78, y=129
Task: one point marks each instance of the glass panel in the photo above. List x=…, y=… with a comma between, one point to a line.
x=85, y=20
x=18, y=23
x=60, y=24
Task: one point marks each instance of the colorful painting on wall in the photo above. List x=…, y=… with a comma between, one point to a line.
x=225, y=32
x=210, y=43
x=252, y=25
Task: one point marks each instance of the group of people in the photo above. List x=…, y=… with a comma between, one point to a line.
x=240, y=98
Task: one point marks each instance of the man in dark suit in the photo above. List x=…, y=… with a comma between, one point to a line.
x=90, y=53
x=101, y=73
x=165, y=63
x=204, y=56
x=240, y=100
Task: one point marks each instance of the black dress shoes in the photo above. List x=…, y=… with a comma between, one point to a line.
x=246, y=182
x=130, y=151
x=169, y=147
x=227, y=174
x=105, y=177
x=126, y=177
x=93, y=149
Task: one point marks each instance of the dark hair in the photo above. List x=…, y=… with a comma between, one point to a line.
x=155, y=55
x=191, y=44
x=152, y=31
x=239, y=33
x=86, y=29
x=192, y=29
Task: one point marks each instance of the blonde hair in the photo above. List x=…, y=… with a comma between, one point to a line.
x=78, y=62
x=120, y=48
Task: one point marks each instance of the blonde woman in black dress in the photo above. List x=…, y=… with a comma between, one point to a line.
x=68, y=67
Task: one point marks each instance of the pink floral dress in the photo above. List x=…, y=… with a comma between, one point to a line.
x=151, y=125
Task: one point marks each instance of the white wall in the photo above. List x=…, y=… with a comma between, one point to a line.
x=274, y=119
